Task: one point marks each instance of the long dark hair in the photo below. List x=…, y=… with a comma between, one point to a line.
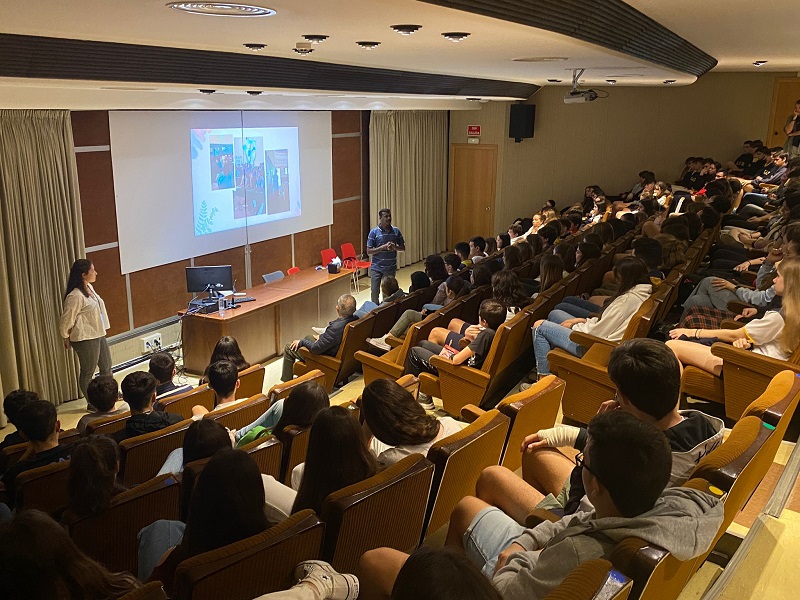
x=551, y=271
x=203, y=439
x=419, y=281
x=511, y=258
x=536, y=242
x=457, y=285
x=588, y=251
x=302, y=405
x=505, y=240
x=75, y=280
x=93, y=467
x=481, y=275
x=227, y=504
x=629, y=272
x=567, y=253
x=605, y=231
x=227, y=348
x=39, y=561
x=434, y=267
x=337, y=457
x=507, y=289
x=394, y=417
x=525, y=250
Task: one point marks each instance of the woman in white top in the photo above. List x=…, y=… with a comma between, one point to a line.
x=776, y=334
x=397, y=425
x=84, y=322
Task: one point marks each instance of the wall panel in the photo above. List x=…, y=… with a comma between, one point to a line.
x=269, y=256
x=98, y=209
x=346, y=167
x=233, y=257
x=159, y=293
x=346, y=225
x=307, y=246
x=90, y=128
x=346, y=121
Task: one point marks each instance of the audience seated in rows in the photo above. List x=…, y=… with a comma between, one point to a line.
x=202, y=439
x=93, y=469
x=162, y=366
x=102, y=393
x=139, y=391
x=12, y=403
x=223, y=379
x=390, y=292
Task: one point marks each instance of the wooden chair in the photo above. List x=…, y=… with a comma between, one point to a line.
x=458, y=460
x=181, y=404
x=142, y=456
x=241, y=414
x=338, y=368
x=254, y=566
x=111, y=536
x=592, y=580
x=281, y=390
x=251, y=381
x=149, y=591
x=43, y=488
x=385, y=318
x=108, y=425
x=295, y=448
x=529, y=411
x=11, y=454
x=387, y=509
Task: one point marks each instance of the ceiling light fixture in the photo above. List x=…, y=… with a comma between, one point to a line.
x=255, y=47
x=254, y=92
x=222, y=9
x=474, y=99
x=611, y=81
x=542, y=59
x=455, y=36
x=208, y=92
x=406, y=29
x=554, y=81
x=303, y=48
x=368, y=45
x=315, y=38
x=759, y=63
x=669, y=81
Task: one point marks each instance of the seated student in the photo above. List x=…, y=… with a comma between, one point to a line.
x=776, y=334
x=549, y=233
x=93, y=468
x=492, y=315
x=649, y=250
x=586, y=251
x=756, y=167
x=526, y=251
x=477, y=249
x=693, y=178
x=39, y=426
x=451, y=288
x=516, y=234
x=625, y=469
x=554, y=332
x=568, y=254
x=300, y=408
x=512, y=258
x=551, y=272
x=462, y=250
x=12, y=404
x=536, y=242
x=503, y=240
x=419, y=281
x=227, y=348
x=549, y=477
x=452, y=263
x=507, y=289
x=162, y=366
x=39, y=561
x=203, y=438
x=327, y=343
x=390, y=292
x=397, y=425
x=139, y=391
x=772, y=176
x=744, y=159
x=324, y=471
x=491, y=245
x=223, y=378
x=102, y=393
x=227, y=506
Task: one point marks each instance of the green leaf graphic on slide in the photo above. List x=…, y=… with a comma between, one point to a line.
x=205, y=221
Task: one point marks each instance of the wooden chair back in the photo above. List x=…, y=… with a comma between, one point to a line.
x=408, y=302
x=141, y=457
x=385, y=318
x=295, y=448
x=281, y=391
x=43, y=488
x=108, y=425
x=592, y=580
x=251, y=381
x=239, y=415
x=182, y=404
x=386, y=510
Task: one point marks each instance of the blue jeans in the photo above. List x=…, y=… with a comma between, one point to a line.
x=365, y=309
x=704, y=294
x=268, y=420
x=154, y=541
x=489, y=533
x=577, y=307
x=551, y=335
x=753, y=198
x=375, y=282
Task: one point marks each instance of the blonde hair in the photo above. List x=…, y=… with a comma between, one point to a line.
x=789, y=269
x=548, y=214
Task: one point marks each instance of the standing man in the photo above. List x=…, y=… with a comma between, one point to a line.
x=383, y=242
x=792, y=131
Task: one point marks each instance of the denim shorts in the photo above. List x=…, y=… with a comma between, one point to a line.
x=490, y=532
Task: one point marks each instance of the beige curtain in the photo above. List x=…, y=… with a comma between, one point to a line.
x=42, y=234
x=408, y=174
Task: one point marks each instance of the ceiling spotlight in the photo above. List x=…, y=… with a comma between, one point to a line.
x=255, y=47
x=206, y=91
x=611, y=81
x=669, y=81
x=315, y=38
x=759, y=63
x=554, y=81
x=369, y=45
x=455, y=36
x=222, y=9
x=254, y=92
x=406, y=29
x=303, y=48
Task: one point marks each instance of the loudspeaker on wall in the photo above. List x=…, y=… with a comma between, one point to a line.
x=520, y=125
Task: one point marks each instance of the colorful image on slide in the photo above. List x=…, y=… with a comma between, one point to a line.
x=249, y=197
x=277, y=167
x=221, y=159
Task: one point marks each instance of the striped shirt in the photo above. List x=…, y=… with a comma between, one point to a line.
x=384, y=262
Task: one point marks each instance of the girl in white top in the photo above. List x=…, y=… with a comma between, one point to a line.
x=776, y=334
x=84, y=322
x=397, y=425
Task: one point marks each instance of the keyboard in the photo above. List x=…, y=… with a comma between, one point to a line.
x=245, y=299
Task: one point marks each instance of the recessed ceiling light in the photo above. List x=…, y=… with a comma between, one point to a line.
x=222, y=9
x=303, y=48
x=254, y=92
x=255, y=47
x=406, y=29
x=541, y=59
x=455, y=36
x=669, y=81
x=315, y=38
x=368, y=45
x=759, y=63
x=611, y=81
x=206, y=91
x=554, y=81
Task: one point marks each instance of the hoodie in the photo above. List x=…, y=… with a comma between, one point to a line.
x=683, y=521
x=142, y=423
x=612, y=323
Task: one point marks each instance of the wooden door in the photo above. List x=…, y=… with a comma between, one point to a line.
x=471, y=193
x=784, y=96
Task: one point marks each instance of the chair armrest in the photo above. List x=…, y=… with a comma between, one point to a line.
x=730, y=324
x=746, y=359
x=470, y=412
x=587, y=340
x=394, y=342
x=737, y=306
x=321, y=359
x=468, y=374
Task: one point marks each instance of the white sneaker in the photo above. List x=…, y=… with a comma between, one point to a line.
x=380, y=342
x=331, y=584
x=318, y=330
x=426, y=401
x=525, y=386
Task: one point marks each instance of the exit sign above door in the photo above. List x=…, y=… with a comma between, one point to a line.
x=473, y=130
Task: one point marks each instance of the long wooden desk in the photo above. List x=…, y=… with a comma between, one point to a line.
x=283, y=311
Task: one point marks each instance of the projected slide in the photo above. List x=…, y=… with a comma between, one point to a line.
x=243, y=177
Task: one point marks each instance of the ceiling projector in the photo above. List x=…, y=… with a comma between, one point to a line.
x=580, y=96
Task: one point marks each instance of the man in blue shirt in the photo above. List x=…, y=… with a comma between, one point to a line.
x=383, y=242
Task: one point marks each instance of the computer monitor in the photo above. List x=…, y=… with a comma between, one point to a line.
x=209, y=279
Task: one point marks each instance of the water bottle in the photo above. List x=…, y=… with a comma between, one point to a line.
x=221, y=306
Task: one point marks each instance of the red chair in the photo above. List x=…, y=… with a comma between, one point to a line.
x=293, y=271
x=327, y=256
x=351, y=261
